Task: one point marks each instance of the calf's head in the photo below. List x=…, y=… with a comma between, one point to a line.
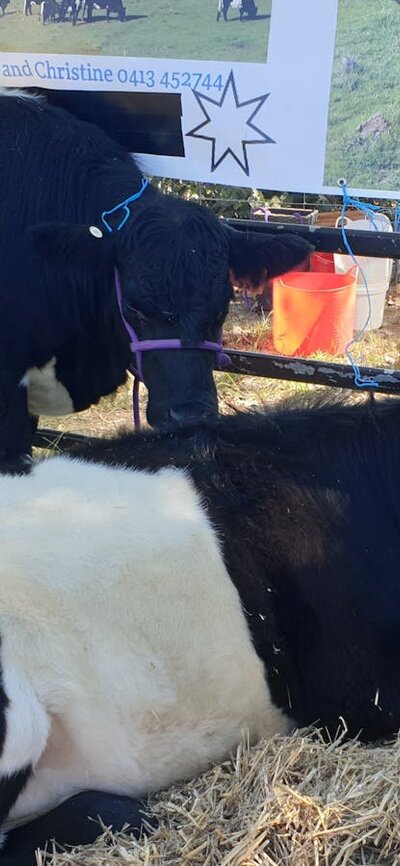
x=177, y=263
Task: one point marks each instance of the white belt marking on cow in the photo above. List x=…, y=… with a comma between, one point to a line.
x=116, y=606
x=46, y=395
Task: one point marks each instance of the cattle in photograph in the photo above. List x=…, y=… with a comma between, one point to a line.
x=111, y=7
x=245, y=7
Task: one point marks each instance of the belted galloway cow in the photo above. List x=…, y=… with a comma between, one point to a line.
x=111, y=7
x=63, y=344
x=245, y=7
x=162, y=591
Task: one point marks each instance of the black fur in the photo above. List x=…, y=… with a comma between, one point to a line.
x=3, y=708
x=260, y=258
x=57, y=293
x=307, y=504
x=10, y=789
x=75, y=819
x=10, y=786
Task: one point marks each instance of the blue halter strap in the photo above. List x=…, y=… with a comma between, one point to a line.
x=124, y=206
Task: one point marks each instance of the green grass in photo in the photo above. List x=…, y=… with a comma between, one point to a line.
x=182, y=29
x=363, y=143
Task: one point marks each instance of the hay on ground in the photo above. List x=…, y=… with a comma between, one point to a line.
x=290, y=801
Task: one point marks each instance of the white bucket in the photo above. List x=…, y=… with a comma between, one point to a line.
x=377, y=273
x=377, y=295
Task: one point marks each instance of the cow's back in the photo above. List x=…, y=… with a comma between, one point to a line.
x=307, y=501
x=116, y=607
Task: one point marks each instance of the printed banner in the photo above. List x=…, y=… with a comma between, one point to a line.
x=284, y=95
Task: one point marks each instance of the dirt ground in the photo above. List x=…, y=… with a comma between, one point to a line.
x=250, y=330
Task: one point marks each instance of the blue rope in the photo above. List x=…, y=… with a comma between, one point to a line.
x=369, y=210
x=397, y=229
x=123, y=205
x=397, y=218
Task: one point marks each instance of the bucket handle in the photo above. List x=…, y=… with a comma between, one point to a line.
x=379, y=217
x=346, y=222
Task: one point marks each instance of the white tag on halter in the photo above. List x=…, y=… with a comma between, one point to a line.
x=96, y=232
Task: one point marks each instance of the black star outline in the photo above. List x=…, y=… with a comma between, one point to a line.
x=259, y=100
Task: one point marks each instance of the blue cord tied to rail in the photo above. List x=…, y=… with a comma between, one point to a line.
x=124, y=206
x=397, y=218
x=370, y=211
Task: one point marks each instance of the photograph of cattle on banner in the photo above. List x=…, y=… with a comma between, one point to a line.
x=73, y=10
x=225, y=29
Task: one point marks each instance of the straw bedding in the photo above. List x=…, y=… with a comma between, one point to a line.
x=292, y=801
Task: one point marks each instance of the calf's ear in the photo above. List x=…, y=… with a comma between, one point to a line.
x=255, y=258
x=85, y=246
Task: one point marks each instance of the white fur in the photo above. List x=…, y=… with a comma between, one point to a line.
x=117, y=609
x=18, y=94
x=235, y=4
x=46, y=395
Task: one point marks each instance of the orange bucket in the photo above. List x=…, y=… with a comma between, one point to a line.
x=322, y=262
x=313, y=312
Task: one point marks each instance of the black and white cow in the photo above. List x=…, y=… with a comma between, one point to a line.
x=62, y=341
x=50, y=11
x=28, y=6
x=239, y=573
x=245, y=7
x=71, y=9
x=112, y=7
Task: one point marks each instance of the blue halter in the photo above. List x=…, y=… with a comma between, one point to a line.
x=123, y=205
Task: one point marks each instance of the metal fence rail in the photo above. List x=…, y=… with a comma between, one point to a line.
x=385, y=245
x=312, y=372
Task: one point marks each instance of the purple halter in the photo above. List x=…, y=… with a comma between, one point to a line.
x=140, y=346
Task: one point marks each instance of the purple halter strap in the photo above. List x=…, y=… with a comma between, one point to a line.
x=140, y=346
